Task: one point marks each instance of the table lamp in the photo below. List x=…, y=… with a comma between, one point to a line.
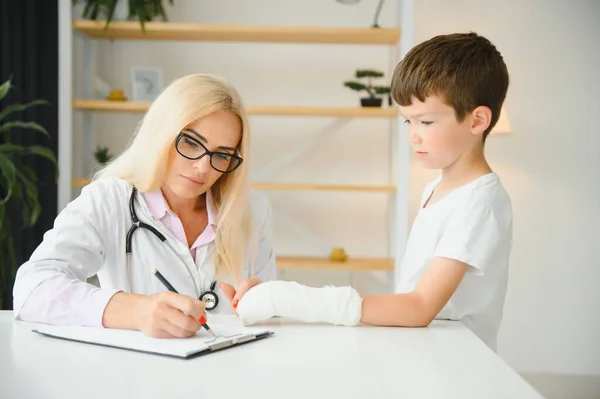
x=375, y=24
x=503, y=124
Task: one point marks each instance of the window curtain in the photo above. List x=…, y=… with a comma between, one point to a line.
x=29, y=55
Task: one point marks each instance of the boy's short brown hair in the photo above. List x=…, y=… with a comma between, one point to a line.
x=465, y=69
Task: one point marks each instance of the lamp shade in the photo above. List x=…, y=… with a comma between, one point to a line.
x=503, y=124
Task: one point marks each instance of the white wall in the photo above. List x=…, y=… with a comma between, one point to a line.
x=549, y=165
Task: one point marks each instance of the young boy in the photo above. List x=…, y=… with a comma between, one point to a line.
x=450, y=90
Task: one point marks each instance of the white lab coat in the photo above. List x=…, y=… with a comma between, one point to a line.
x=89, y=236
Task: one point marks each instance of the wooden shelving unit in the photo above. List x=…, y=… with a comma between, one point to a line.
x=174, y=31
x=80, y=182
x=130, y=30
x=341, y=112
x=320, y=263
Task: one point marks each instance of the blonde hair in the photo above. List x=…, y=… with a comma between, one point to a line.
x=184, y=101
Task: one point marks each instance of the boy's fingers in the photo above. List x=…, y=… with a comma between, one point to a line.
x=228, y=290
x=243, y=288
x=234, y=295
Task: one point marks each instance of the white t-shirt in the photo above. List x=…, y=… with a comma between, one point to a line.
x=472, y=224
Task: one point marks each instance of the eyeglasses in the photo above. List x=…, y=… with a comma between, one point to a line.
x=190, y=148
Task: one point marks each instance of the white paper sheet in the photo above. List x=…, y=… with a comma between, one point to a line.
x=136, y=340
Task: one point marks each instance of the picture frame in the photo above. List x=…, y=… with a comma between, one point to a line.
x=147, y=83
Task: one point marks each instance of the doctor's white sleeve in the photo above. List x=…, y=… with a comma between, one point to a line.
x=51, y=287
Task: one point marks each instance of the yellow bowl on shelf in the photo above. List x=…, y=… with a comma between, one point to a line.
x=116, y=95
x=338, y=255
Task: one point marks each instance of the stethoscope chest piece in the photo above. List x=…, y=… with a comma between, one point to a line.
x=210, y=298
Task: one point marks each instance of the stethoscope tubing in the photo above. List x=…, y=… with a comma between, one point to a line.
x=136, y=224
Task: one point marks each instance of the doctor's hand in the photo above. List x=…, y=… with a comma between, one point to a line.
x=169, y=315
x=234, y=295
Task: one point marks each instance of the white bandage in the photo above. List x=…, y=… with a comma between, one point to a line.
x=333, y=305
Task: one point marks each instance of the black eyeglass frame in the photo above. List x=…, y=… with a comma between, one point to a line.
x=206, y=152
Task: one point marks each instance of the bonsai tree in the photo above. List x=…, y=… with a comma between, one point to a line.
x=143, y=10
x=371, y=89
x=18, y=191
x=102, y=155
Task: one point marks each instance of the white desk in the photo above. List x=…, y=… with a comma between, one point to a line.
x=444, y=360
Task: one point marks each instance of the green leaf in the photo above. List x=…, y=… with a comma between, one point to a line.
x=4, y=88
x=11, y=148
x=382, y=89
x=355, y=86
x=86, y=13
x=8, y=170
x=102, y=154
x=31, y=200
x=30, y=214
x=19, y=107
x=35, y=212
x=28, y=173
x=23, y=125
x=42, y=151
x=160, y=10
x=45, y=153
x=368, y=73
x=17, y=194
x=112, y=4
x=142, y=12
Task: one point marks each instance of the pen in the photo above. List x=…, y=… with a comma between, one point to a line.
x=172, y=289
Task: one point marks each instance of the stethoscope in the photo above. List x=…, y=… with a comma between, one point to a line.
x=209, y=297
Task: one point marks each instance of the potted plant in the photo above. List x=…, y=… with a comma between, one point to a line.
x=372, y=100
x=18, y=191
x=102, y=155
x=143, y=10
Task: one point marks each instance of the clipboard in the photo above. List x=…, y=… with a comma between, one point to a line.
x=137, y=341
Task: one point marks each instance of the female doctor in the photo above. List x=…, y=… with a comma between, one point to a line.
x=175, y=202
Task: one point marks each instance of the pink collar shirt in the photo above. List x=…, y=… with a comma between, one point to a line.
x=160, y=210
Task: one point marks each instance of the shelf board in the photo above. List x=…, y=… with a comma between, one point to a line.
x=80, y=182
x=314, y=262
x=319, y=187
x=131, y=30
x=359, y=112
x=110, y=106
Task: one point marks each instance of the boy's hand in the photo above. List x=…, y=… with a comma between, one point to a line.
x=333, y=305
x=234, y=295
